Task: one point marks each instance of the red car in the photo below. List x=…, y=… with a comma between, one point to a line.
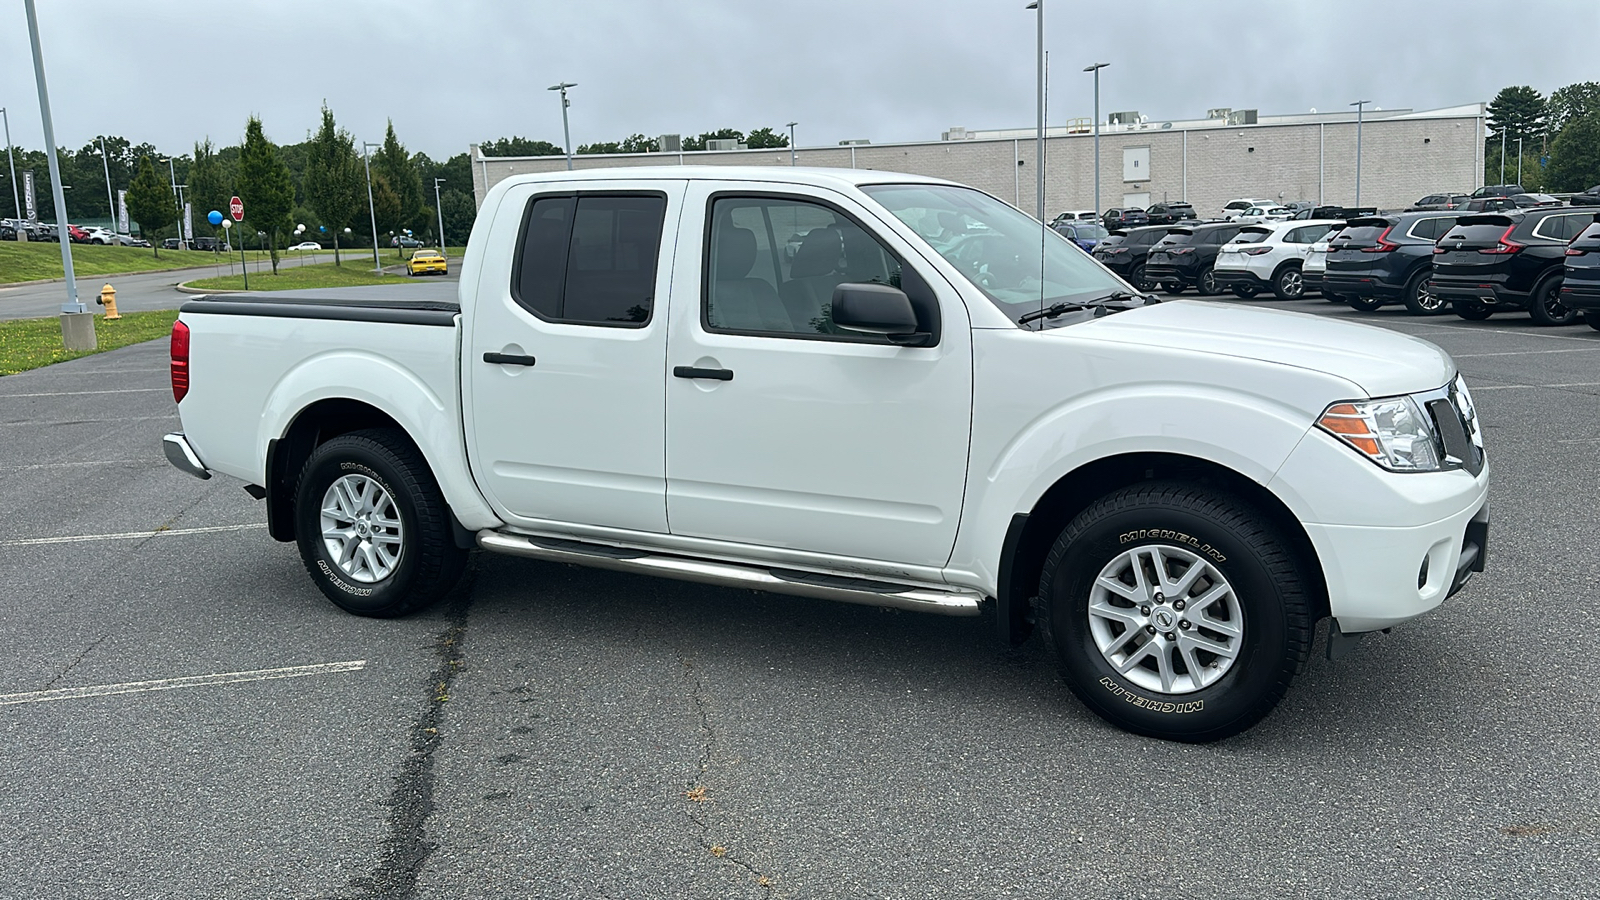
x=78, y=235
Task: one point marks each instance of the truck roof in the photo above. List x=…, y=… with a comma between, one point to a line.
x=807, y=175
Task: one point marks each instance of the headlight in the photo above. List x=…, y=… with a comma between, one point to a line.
x=1393, y=432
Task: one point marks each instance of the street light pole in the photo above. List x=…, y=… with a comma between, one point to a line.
x=173, y=175
x=791, y=142
x=72, y=305
x=566, y=133
x=1360, y=106
x=372, y=210
x=1096, y=70
x=439, y=208
x=1519, y=160
x=1502, y=153
x=16, y=198
x=111, y=201
x=1038, y=141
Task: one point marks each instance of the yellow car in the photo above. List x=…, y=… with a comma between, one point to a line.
x=424, y=262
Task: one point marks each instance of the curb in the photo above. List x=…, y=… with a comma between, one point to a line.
x=12, y=284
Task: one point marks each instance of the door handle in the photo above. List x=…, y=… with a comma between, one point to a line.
x=508, y=359
x=692, y=372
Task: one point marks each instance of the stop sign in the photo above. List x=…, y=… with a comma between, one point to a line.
x=236, y=209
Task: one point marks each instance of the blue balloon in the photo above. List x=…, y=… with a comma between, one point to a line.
x=322, y=228
x=214, y=217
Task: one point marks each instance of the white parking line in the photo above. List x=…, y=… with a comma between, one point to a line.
x=172, y=415
x=168, y=684
x=154, y=390
x=1470, y=329
x=1537, y=387
x=1525, y=352
x=86, y=463
x=127, y=535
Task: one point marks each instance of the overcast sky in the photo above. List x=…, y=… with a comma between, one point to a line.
x=453, y=73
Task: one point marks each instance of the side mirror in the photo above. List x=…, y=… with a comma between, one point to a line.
x=878, y=309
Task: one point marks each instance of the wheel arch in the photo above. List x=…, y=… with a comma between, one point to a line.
x=309, y=429
x=1030, y=536
x=1291, y=263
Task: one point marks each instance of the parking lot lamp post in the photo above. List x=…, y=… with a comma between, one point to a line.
x=791, y=142
x=439, y=208
x=1096, y=70
x=1038, y=139
x=111, y=202
x=16, y=198
x=372, y=211
x=1502, y=154
x=1519, y=160
x=1360, y=105
x=72, y=305
x=566, y=133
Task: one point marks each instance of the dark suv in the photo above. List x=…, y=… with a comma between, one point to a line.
x=1512, y=260
x=1170, y=213
x=1591, y=197
x=1183, y=259
x=1498, y=190
x=1380, y=259
x=1124, y=253
x=1124, y=218
x=1580, y=288
x=1434, y=202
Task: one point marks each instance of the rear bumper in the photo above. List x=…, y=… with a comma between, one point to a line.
x=1230, y=278
x=1166, y=272
x=1360, y=285
x=1582, y=296
x=1489, y=290
x=182, y=456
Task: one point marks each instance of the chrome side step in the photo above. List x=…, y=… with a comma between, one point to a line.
x=948, y=602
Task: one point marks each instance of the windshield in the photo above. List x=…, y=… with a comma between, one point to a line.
x=997, y=247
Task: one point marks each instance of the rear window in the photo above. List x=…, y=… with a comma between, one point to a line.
x=1430, y=229
x=1252, y=236
x=1479, y=232
x=1114, y=240
x=1360, y=234
x=1176, y=238
x=1590, y=236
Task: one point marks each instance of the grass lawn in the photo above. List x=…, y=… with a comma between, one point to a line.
x=31, y=343
x=33, y=261
x=319, y=275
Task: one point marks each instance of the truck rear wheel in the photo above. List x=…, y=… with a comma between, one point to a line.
x=1175, y=612
x=373, y=529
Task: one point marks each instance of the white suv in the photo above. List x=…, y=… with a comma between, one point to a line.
x=1256, y=215
x=1233, y=209
x=1269, y=256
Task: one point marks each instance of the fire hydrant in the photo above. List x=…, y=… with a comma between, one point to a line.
x=108, y=299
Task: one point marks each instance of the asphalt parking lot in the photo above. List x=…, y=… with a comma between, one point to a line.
x=184, y=715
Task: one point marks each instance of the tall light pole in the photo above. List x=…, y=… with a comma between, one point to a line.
x=791, y=142
x=1360, y=105
x=72, y=305
x=1502, y=153
x=111, y=201
x=173, y=175
x=1519, y=160
x=1096, y=70
x=371, y=209
x=439, y=208
x=566, y=133
x=1038, y=151
x=16, y=198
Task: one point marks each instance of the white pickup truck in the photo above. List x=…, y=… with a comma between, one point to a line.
x=860, y=386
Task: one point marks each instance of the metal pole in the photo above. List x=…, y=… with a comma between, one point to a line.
x=1322, y=143
x=1502, y=153
x=1186, y=165
x=1096, y=70
x=111, y=200
x=16, y=198
x=1038, y=153
x=1016, y=171
x=1360, y=106
x=439, y=208
x=791, y=142
x=1519, y=160
x=372, y=210
x=72, y=305
x=565, y=131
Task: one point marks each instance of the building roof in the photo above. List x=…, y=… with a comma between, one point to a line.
x=806, y=175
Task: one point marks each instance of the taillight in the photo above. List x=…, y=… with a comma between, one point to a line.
x=180, y=361
x=1383, y=245
x=1179, y=251
x=1255, y=251
x=1571, y=251
x=1504, y=245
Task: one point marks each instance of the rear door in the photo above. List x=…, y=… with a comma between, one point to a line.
x=563, y=368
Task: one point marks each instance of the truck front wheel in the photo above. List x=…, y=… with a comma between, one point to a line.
x=373, y=529
x=1176, y=612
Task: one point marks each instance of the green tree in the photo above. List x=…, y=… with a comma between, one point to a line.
x=459, y=213
x=1519, y=112
x=638, y=143
x=395, y=164
x=602, y=147
x=1575, y=155
x=265, y=186
x=519, y=146
x=150, y=202
x=334, y=178
x=765, y=139
x=209, y=186
x=385, y=207
x=1572, y=102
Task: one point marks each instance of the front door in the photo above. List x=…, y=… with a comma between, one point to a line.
x=788, y=433
x=563, y=362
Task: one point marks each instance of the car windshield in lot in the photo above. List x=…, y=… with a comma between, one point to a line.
x=997, y=247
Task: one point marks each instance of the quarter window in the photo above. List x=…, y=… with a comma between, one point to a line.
x=590, y=259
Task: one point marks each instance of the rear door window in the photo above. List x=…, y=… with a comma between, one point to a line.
x=590, y=260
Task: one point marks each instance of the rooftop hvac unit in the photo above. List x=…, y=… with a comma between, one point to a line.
x=1220, y=112
x=955, y=134
x=724, y=144
x=1127, y=117
x=670, y=143
x=1242, y=117
x=856, y=142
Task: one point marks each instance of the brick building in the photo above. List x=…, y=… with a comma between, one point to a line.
x=1404, y=155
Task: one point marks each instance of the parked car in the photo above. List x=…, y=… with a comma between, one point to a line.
x=1591, y=197
x=98, y=235
x=1438, y=202
x=44, y=231
x=1534, y=201
x=1125, y=251
x=427, y=262
x=172, y=244
x=1498, y=190
x=1316, y=266
x=1178, y=492
x=406, y=241
x=1580, y=285
x=1076, y=215
x=1381, y=259
x=1487, y=204
x=1508, y=261
x=131, y=241
x=1257, y=215
x=1268, y=257
x=1124, y=218
x=1184, y=257
x=1235, y=208
x=1085, y=234
x=307, y=245
x=1170, y=213
x=8, y=232
x=77, y=235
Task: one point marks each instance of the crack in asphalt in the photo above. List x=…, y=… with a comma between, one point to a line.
x=702, y=706
x=406, y=848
